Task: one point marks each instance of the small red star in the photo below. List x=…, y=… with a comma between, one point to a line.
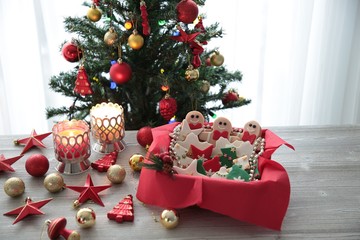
x=5, y=163
x=184, y=37
x=33, y=140
x=89, y=191
x=30, y=208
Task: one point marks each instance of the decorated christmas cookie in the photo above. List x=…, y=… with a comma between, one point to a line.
x=195, y=120
x=221, y=128
x=252, y=131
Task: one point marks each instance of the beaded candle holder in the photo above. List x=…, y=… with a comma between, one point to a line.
x=107, y=127
x=72, y=146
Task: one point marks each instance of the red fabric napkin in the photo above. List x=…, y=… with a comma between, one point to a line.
x=262, y=202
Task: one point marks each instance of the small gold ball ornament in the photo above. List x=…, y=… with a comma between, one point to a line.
x=205, y=86
x=14, y=187
x=169, y=218
x=191, y=73
x=116, y=173
x=216, y=59
x=110, y=37
x=54, y=182
x=128, y=25
x=86, y=217
x=135, y=40
x=94, y=13
x=135, y=161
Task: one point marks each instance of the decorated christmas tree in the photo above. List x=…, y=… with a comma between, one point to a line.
x=149, y=56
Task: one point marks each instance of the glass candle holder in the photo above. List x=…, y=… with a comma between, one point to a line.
x=72, y=146
x=107, y=127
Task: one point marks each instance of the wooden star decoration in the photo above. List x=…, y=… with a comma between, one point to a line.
x=229, y=154
x=34, y=140
x=89, y=191
x=30, y=208
x=5, y=163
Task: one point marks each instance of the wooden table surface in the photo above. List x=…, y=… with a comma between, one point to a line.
x=324, y=172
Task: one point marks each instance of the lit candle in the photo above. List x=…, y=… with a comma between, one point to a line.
x=108, y=127
x=72, y=145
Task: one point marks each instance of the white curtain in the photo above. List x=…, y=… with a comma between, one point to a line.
x=300, y=59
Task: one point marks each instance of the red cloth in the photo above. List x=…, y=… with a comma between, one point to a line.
x=262, y=202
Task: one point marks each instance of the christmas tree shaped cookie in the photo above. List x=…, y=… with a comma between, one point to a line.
x=123, y=211
x=103, y=164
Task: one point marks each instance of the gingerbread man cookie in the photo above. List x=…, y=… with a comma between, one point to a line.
x=252, y=131
x=195, y=120
x=221, y=128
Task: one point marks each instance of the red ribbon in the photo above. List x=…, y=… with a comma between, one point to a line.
x=195, y=126
x=248, y=137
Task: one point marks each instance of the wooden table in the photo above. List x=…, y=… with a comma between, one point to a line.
x=325, y=194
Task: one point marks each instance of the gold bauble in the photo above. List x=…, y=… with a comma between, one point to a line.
x=205, y=86
x=54, y=182
x=86, y=217
x=191, y=74
x=110, y=37
x=74, y=235
x=169, y=218
x=14, y=187
x=217, y=59
x=135, y=40
x=94, y=13
x=135, y=161
x=128, y=25
x=116, y=173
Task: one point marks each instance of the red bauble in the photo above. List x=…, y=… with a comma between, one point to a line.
x=37, y=165
x=230, y=96
x=120, y=73
x=71, y=52
x=208, y=62
x=168, y=107
x=187, y=11
x=144, y=136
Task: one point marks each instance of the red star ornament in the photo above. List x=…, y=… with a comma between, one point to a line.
x=89, y=191
x=184, y=37
x=30, y=208
x=5, y=163
x=33, y=140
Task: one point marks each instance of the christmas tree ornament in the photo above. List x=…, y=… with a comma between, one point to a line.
x=86, y=217
x=37, y=165
x=94, y=13
x=187, y=11
x=230, y=96
x=169, y=218
x=123, y=211
x=161, y=22
x=144, y=136
x=104, y=163
x=135, y=40
x=191, y=74
x=144, y=18
x=165, y=88
x=30, y=208
x=216, y=59
x=120, y=72
x=5, y=163
x=88, y=191
x=205, y=86
x=82, y=83
x=128, y=25
x=34, y=140
x=71, y=51
x=54, y=182
x=56, y=228
x=208, y=62
x=14, y=187
x=168, y=107
x=116, y=174
x=135, y=162
x=199, y=25
x=110, y=37
x=107, y=127
x=72, y=146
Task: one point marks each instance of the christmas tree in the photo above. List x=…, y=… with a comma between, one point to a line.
x=155, y=52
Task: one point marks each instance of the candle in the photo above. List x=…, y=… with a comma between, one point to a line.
x=107, y=127
x=72, y=145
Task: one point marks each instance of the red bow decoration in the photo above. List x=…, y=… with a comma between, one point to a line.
x=145, y=21
x=248, y=137
x=217, y=134
x=195, y=46
x=195, y=126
